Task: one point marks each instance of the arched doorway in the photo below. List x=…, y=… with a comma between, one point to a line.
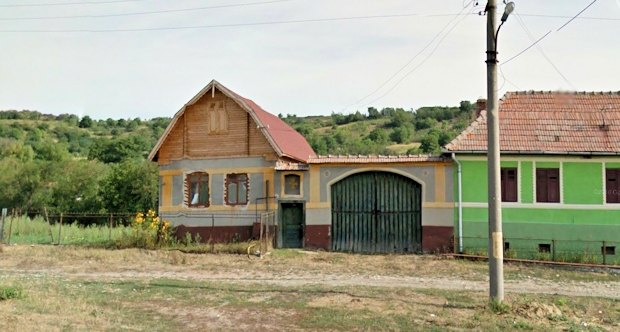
x=376, y=212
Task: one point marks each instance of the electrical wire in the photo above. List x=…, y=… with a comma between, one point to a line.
x=418, y=65
x=225, y=25
x=542, y=52
x=573, y=17
x=576, y=15
x=407, y=63
x=67, y=3
x=142, y=13
x=527, y=48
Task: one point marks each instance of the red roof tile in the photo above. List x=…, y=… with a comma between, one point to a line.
x=550, y=122
x=361, y=159
x=291, y=143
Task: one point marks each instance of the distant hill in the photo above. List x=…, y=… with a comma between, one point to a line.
x=30, y=134
x=387, y=131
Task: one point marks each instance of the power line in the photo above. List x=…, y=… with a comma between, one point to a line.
x=408, y=61
x=583, y=10
x=226, y=25
x=419, y=65
x=540, y=49
x=573, y=17
x=142, y=13
x=527, y=48
x=67, y=3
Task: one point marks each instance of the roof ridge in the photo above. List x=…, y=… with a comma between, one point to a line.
x=569, y=92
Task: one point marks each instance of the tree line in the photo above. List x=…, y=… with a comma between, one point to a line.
x=70, y=164
x=67, y=163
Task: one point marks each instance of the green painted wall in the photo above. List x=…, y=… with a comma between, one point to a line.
x=547, y=164
x=474, y=177
x=527, y=182
x=583, y=183
x=580, y=224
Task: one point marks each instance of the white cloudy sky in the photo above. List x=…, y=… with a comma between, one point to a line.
x=299, y=68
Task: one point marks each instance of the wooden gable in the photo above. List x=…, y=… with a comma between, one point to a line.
x=214, y=126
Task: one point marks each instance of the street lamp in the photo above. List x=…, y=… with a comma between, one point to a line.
x=496, y=238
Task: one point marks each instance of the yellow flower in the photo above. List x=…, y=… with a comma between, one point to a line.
x=150, y=213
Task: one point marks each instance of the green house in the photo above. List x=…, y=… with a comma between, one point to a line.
x=560, y=177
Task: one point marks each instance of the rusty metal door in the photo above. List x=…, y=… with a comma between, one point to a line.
x=376, y=212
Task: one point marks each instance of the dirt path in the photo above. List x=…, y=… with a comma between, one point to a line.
x=608, y=289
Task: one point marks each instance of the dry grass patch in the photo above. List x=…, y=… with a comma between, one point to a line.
x=53, y=303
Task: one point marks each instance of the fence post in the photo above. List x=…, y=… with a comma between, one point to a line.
x=604, y=250
x=59, y=228
x=110, y=228
x=11, y=226
x=4, y=211
x=211, y=233
x=49, y=224
x=553, y=250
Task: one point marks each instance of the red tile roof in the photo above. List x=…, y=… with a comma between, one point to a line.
x=549, y=122
x=361, y=159
x=285, y=141
x=290, y=143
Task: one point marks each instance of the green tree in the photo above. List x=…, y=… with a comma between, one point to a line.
x=379, y=136
x=76, y=186
x=373, y=113
x=86, y=122
x=402, y=134
x=130, y=186
x=430, y=143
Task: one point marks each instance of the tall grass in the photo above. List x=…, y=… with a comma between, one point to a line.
x=37, y=231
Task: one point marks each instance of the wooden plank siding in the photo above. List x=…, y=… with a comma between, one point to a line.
x=191, y=137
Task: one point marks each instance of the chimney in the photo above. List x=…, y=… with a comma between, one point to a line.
x=481, y=105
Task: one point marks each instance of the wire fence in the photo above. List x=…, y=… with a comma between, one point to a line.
x=45, y=227
x=604, y=252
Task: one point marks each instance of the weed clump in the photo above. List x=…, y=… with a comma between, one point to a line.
x=10, y=292
x=499, y=307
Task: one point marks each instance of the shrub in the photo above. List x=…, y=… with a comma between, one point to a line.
x=147, y=231
x=10, y=292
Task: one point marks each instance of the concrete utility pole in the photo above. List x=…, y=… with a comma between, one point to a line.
x=496, y=238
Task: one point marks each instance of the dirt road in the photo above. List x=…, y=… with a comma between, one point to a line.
x=301, y=269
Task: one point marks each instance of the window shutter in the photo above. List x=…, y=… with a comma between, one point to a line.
x=541, y=185
x=553, y=185
x=509, y=184
x=611, y=176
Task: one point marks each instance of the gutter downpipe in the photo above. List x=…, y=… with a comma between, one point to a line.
x=460, y=201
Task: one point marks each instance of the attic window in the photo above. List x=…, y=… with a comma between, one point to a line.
x=217, y=118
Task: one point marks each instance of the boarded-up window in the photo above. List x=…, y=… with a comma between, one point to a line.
x=197, y=189
x=612, y=185
x=292, y=185
x=509, y=185
x=217, y=118
x=236, y=189
x=548, y=185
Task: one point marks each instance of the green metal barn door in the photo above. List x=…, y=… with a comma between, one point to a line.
x=376, y=212
x=292, y=225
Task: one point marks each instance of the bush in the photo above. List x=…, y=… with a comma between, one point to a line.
x=148, y=231
x=10, y=292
